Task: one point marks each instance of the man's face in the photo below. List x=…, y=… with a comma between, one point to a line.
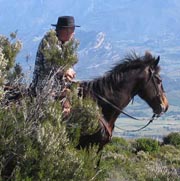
x=65, y=34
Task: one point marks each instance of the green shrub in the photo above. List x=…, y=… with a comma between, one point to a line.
x=117, y=145
x=8, y=51
x=35, y=145
x=147, y=145
x=117, y=141
x=83, y=118
x=170, y=154
x=172, y=139
x=34, y=139
x=10, y=48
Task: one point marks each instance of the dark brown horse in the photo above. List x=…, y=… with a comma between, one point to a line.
x=113, y=91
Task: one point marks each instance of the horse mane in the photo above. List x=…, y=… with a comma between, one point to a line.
x=132, y=62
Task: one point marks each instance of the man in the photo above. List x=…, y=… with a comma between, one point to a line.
x=54, y=60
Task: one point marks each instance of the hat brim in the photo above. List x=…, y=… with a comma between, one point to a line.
x=65, y=26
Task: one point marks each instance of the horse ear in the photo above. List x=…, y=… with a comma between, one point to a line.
x=156, y=61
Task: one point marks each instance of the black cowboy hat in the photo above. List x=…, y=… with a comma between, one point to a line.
x=65, y=22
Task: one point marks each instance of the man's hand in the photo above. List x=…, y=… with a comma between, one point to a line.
x=66, y=108
x=70, y=74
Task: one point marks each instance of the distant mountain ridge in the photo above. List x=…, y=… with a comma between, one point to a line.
x=109, y=30
x=122, y=19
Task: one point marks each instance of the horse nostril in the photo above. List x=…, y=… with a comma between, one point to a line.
x=167, y=106
x=164, y=107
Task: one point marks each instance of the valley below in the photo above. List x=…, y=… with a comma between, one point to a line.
x=156, y=130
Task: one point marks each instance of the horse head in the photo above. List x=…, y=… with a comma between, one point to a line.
x=151, y=87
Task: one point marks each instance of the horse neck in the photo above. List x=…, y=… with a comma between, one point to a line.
x=117, y=92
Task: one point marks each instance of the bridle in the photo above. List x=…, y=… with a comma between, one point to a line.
x=152, y=77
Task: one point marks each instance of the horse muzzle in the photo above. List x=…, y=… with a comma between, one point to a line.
x=164, y=104
x=163, y=107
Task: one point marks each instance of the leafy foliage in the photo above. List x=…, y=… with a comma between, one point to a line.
x=35, y=145
x=10, y=49
x=34, y=139
x=172, y=139
x=3, y=73
x=147, y=145
x=125, y=164
x=59, y=54
x=83, y=117
x=16, y=74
